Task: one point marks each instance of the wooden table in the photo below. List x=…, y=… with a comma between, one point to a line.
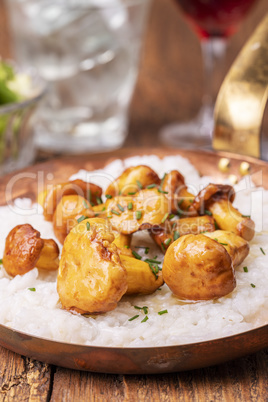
x=169, y=88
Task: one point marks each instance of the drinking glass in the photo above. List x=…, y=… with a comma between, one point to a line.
x=213, y=21
x=88, y=51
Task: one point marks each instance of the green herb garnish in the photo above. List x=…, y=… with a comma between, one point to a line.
x=115, y=212
x=245, y=269
x=82, y=217
x=167, y=242
x=171, y=216
x=1, y=260
x=151, y=186
x=120, y=207
x=109, y=196
x=138, y=214
x=132, y=193
x=126, y=246
x=85, y=204
x=164, y=217
x=162, y=191
x=262, y=250
x=162, y=312
x=252, y=285
x=136, y=255
x=134, y=317
x=139, y=184
x=32, y=289
x=223, y=244
x=88, y=226
x=208, y=212
x=176, y=235
x=145, y=318
x=245, y=216
x=99, y=200
x=130, y=205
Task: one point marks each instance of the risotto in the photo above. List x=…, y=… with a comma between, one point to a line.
x=30, y=303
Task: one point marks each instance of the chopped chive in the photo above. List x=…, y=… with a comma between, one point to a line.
x=130, y=205
x=136, y=255
x=139, y=184
x=109, y=196
x=208, y=212
x=96, y=214
x=162, y=312
x=216, y=225
x=152, y=268
x=115, y=212
x=99, y=200
x=224, y=244
x=88, y=226
x=1, y=261
x=165, y=217
x=171, y=216
x=145, y=318
x=103, y=209
x=215, y=239
x=126, y=246
x=204, y=231
x=109, y=216
x=151, y=186
x=162, y=191
x=163, y=247
x=32, y=289
x=132, y=193
x=145, y=309
x=146, y=250
x=82, y=217
x=180, y=202
x=134, y=317
x=176, y=235
x=89, y=195
x=174, y=225
x=262, y=250
x=167, y=242
x=138, y=214
x=252, y=285
x=85, y=204
x=153, y=261
x=159, y=289
x=245, y=269
x=163, y=178
x=92, y=203
x=245, y=216
x=120, y=207
x=138, y=308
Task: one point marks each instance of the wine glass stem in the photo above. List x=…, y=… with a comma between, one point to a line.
x=213, y=52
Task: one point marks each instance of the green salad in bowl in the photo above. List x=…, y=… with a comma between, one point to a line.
x=20, y=93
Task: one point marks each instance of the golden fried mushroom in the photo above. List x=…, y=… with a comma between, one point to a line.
x=91, y=278
x=172, y=230
x=50, y=198
x=25, y=250
x=217, y=199
x=129, y=214
x=198, y=268
x=237, y=247
x=140, y=278
x=122, y=243
x=68, y=211
x=178, y=195
x=132, y=180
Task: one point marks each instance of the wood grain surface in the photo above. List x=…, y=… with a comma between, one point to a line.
x=169, y=88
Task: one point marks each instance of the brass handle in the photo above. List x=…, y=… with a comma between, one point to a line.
x=242, y=98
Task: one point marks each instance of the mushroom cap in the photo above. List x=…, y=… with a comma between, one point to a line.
x=91, y=278
x=198, y=268
x=212, y=192
x=22, y=249
x=173, y=183
x=131, y=179
x=50, y=199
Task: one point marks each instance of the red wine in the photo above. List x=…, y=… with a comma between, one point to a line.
x=217, y=18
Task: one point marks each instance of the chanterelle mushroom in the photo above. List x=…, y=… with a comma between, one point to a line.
x=198, y=268
x=217, y=199
x=91, y=278
x=25, y=250
x=132, y=180
x=50, y=198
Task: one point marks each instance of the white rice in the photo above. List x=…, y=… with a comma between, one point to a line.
x=39, y=312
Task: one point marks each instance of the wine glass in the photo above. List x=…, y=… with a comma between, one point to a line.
x=213, y=21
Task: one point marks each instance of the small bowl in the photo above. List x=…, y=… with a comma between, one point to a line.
x=16, y=128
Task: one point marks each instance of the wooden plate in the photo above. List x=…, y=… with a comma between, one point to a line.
x=127, y=360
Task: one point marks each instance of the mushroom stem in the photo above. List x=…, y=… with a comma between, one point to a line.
x=236, y=247
x=49, y=256
x=229, y=218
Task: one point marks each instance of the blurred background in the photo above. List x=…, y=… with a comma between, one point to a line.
x=169, y=85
